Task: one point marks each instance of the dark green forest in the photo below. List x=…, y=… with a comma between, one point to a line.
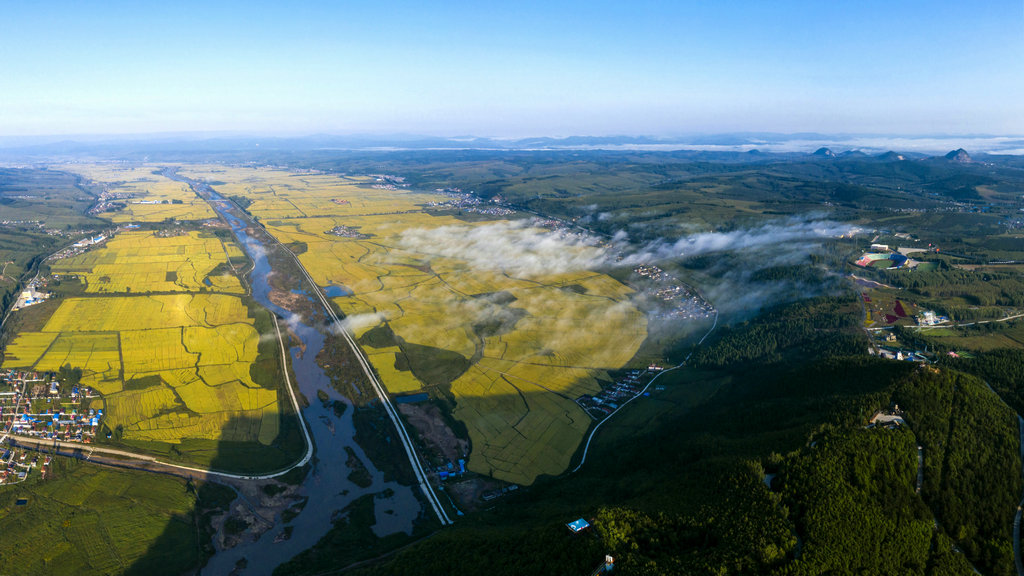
x=794, y=396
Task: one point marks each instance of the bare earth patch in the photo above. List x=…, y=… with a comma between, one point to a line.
x=439, y=438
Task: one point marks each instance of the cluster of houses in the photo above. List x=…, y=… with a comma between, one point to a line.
x=37, y=404
x=891, y=349
x=347, y=232
x=388, y=182
x=679, y=300
x=451, y=470
x=601, y=405
x=470, y=202
x=36, y=223
x=930, y=318
x=16, y=463
x=110, y=202
x=81, y=246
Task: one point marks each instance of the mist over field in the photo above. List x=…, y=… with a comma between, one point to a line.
x=523, y=250
x=516, y=248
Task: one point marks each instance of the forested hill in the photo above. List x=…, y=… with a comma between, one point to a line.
x=684, y=488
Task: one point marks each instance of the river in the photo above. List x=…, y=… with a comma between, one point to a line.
x=327, y=486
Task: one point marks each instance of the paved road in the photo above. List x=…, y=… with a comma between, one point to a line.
x=586, y=447
x=403, y=435
x=920, y=468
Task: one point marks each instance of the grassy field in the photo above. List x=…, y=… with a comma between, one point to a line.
x=154, y=198
x=44, y=210
x=142, y=262
x=512, y=349
x=57, y=199
x=981, y=338
x=85, y=519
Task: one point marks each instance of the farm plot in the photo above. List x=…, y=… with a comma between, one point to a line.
x=144, y=194
x=514, y=348
x=140, y=262
x=90, y=520
x=171, y=368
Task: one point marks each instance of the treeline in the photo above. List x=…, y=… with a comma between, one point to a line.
x=741, y=526
x=972, y=313
x=811, y=328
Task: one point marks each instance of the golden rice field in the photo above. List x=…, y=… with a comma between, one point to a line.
x=169, y=367
x=145, y=262
x=153, y=195
x=551, y=336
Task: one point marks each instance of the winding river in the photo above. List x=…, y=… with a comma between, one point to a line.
x=327, y=486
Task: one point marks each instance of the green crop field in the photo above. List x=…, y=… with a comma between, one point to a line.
x=85, y=519
x=512, y=349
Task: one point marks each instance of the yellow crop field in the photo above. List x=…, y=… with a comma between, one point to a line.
x=170, y=367
x=28, y=348
x=534, y=337
x=142, y=262
x=398, y=381
x=146, y=312
x=97, y=354
x=153, y=197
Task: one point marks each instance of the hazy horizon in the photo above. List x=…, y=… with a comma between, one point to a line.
x=50, y=145
x=512, y=71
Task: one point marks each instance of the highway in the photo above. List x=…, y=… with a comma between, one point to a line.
x=339, y=327
x=364, y=363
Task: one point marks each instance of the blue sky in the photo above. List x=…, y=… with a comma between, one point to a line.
x=507, y=69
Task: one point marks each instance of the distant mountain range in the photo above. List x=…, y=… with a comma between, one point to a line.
x=750, y=144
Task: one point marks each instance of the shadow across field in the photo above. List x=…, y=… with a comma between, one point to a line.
x=187, y=543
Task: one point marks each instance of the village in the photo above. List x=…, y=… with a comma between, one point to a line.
x=83, y=245
x=17, y=463
x=110, y=202
x=470, y=202
x=40, y=405
x=681, y=302
x=631, y=384
x=347, y=232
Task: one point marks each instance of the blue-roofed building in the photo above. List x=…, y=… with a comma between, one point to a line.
x=577, y=525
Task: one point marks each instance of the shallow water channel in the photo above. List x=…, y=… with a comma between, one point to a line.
x=327, y=486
